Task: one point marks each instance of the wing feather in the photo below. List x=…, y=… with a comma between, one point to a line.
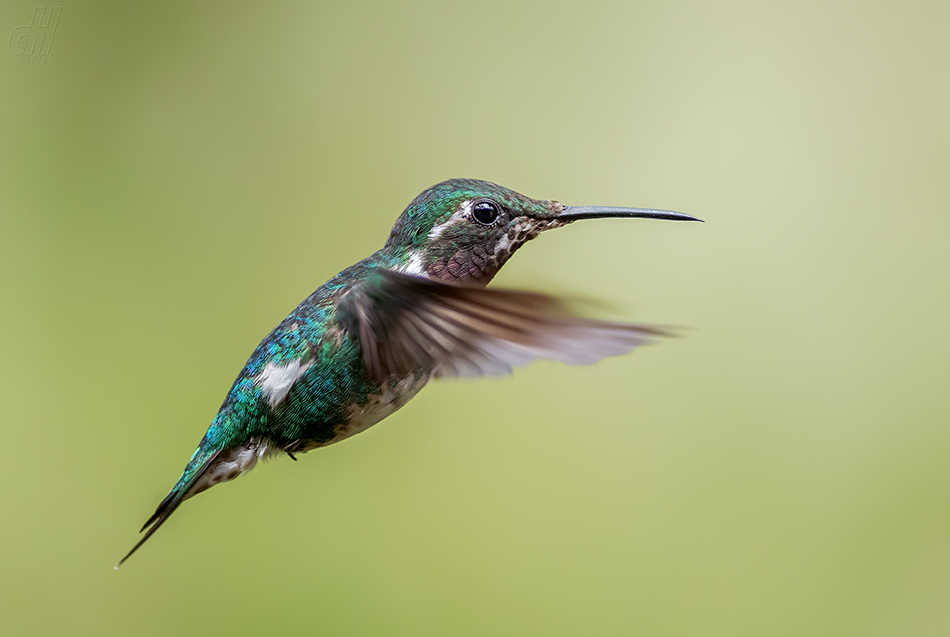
x=405, y=323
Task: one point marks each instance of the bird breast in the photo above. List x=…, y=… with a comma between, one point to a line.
x=391, y=397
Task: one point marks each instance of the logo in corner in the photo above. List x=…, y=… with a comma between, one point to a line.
x=31, y=42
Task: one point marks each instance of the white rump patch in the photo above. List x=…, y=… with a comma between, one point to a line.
x=276, y=380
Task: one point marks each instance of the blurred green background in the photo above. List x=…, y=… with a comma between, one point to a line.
x=178, y=176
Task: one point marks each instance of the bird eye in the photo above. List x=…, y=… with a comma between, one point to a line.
x=485, y=212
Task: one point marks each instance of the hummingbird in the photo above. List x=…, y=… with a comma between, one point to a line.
x=366, y=341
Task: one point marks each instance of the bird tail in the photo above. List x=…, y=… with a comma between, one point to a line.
x=196, y=467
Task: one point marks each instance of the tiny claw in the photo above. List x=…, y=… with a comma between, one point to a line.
x=289, y=449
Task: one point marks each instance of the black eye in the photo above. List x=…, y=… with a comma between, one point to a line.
x=485, y=212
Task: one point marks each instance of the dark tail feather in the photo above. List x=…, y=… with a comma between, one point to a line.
x=167, y=502
x=168, y=506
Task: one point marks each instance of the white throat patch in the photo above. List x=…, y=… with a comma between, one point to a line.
x=414, y=266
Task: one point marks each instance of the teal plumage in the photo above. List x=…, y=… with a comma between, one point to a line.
x=368, y=339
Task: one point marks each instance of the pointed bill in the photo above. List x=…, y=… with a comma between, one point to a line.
x=574, y=213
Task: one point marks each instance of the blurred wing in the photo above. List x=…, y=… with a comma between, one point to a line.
x=405, y=323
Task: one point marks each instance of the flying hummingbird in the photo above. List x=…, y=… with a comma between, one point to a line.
x=365, y=342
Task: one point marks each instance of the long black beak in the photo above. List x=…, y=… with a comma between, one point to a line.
x=573, y=213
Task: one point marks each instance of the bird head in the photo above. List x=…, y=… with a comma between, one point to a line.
x=464, y=230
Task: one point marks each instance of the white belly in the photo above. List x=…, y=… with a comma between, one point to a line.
x=379, y=406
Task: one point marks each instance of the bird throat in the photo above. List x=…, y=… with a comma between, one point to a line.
x=477, y=263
